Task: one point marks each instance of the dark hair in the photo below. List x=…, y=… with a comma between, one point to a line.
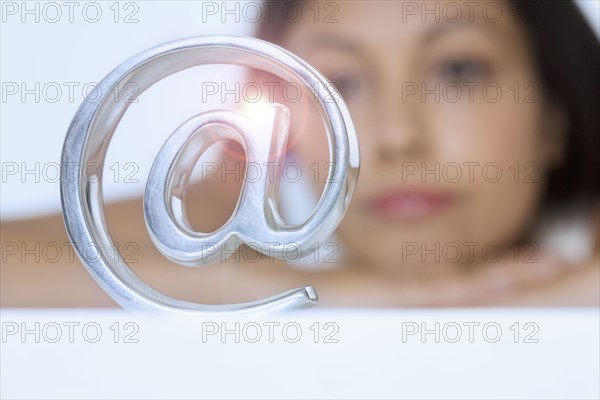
x=566, y=53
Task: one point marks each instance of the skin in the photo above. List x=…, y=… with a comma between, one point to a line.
x=369, y=55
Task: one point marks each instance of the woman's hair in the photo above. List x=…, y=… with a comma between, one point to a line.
x=566, y=54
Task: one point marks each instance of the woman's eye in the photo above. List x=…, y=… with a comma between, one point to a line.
x=462, y=70
x=346, y=85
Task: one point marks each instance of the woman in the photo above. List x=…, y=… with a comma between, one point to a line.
x=475, y=124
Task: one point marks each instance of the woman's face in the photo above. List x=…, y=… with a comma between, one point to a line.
x=453, y=129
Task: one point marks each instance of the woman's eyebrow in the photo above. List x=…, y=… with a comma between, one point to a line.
x=494, y=30
x=335, y=42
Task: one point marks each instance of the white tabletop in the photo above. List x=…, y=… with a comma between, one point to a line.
x=452, y=353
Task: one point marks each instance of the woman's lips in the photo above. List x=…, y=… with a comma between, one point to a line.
x=409, y=204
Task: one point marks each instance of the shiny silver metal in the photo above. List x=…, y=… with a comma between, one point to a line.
x=256, y=218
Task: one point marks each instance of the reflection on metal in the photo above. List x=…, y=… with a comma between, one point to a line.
x=256, y=219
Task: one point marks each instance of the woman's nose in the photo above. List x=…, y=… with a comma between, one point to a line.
x=400, y=133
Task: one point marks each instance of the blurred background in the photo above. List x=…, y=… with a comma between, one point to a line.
x=59, y=62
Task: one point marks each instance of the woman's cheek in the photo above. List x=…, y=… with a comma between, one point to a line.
x=495, y=146
x=503, y=131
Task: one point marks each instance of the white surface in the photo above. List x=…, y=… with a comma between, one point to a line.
x=371, y=359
